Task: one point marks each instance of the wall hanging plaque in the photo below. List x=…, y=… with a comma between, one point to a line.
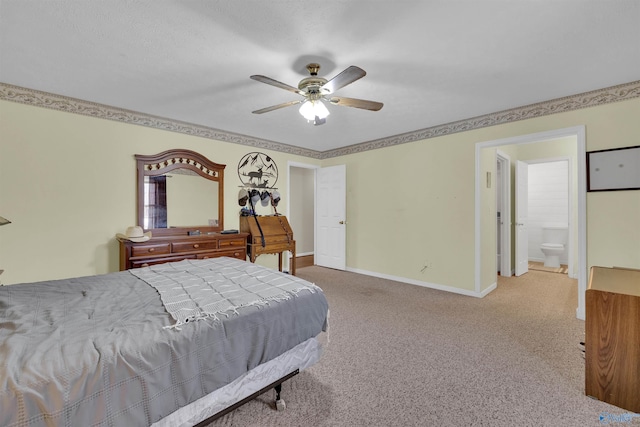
x=257, y=170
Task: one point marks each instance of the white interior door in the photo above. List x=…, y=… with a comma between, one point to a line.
x=522, y=238
x=331, y=233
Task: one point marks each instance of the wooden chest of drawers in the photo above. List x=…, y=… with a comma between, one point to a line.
x=612, y=337
x=162, y=249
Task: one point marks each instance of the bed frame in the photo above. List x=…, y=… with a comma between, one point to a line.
x=279, y=403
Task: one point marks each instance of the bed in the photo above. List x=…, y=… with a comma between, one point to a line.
x=166, y=345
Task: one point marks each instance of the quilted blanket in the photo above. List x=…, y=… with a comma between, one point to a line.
x=96, y=351
x=200, y=289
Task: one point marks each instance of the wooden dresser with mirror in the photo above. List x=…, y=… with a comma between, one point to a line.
x=180, y=200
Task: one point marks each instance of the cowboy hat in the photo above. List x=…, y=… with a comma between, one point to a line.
x=135, y=234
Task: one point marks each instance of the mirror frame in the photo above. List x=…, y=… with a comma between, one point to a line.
x=161, y=163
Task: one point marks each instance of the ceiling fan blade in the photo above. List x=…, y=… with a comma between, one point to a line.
x=346, y=77
x=277, y=107
x=272, y=82
x=356, y=103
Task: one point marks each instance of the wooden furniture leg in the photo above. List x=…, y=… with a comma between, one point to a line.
x=293, y=259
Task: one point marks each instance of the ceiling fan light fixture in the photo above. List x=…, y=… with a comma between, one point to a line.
x=312, y=109
x=315, y=90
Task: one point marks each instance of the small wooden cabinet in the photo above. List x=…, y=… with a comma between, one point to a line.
x=612, y=337
x=162, y=249
x=269, y=235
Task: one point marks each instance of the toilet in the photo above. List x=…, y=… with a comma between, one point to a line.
x=554, y=242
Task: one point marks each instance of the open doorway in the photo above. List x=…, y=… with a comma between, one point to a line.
x=547, y=218
x=549, y=201
x=529, y=147
x=316, y=204
x=301, y=210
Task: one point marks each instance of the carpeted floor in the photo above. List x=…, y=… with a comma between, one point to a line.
x=404, y=355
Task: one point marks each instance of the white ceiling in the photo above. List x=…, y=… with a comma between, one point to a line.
x=430, y=62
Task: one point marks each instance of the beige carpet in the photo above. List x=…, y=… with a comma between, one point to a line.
x=539, y=266
x=403, y=355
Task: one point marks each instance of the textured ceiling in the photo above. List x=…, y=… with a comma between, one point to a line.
x=429, y=62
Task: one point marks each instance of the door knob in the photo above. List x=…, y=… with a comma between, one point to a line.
x=341, y=222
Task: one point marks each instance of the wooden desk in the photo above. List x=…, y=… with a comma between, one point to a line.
x=612, y=337
x=278, y=238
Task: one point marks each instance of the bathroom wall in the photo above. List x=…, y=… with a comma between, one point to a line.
x=548, y=203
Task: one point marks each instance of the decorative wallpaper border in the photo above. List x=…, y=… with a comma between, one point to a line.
x=77, y=106
x=560, y=105
x=71, y=105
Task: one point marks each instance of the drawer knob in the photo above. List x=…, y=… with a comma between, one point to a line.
x=152, y=249
x=196, y=246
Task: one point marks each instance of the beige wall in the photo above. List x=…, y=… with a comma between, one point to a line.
x=67, y=183
x=410, y=207
x=410, y=211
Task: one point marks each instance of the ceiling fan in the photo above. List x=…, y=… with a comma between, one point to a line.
x=317, y=90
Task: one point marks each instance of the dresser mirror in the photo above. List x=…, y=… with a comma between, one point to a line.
x=179, y=191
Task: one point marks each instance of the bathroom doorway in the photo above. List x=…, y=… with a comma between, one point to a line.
x=562, y=144
x=549, y=211
x=542, y=192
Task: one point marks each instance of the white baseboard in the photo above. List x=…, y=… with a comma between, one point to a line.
x=425, y=284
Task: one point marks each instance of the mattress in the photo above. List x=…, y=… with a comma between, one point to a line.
x=104, y=350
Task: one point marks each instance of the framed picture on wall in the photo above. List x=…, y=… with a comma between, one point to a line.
x=614, y=169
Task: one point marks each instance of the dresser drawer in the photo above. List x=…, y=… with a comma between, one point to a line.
x=175, y=248
x=239, y=253
x=232, y=243
x=144, y=250
x=153, y=261
x=194, y=246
